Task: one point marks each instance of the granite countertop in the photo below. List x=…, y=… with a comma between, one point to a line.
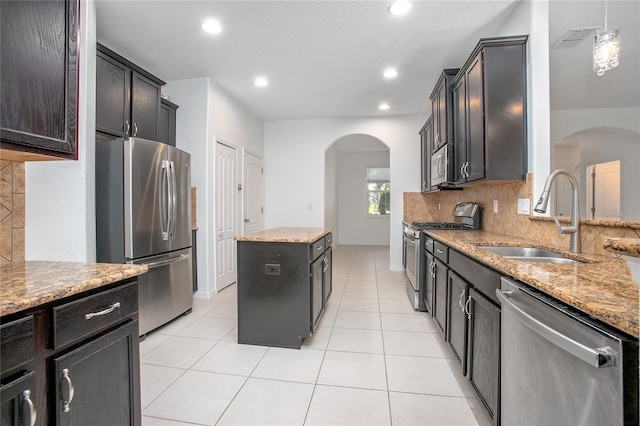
x=602, y=288
x=24, y=285
x=626, y=246
x=286, y=235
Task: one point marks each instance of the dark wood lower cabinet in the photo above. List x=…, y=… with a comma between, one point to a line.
x=108, y=365
x=327, y=274
x=89, y=377
x=458, y=290
x=484, y=352
x=440, y=297
x=17, y=404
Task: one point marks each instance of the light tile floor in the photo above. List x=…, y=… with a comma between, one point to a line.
x=373, y=361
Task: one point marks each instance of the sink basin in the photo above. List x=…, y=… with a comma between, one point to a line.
x=521, y=251
x=529, y=254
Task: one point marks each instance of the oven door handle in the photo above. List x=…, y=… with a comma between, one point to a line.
x=410, y=241
x=595, y=357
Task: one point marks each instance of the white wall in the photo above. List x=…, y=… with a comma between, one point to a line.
x=331, y=193
x=532, y=17
x=295, y=172
x=205, y=113
x=357, y=227
x=567, y=122
x=60, y=195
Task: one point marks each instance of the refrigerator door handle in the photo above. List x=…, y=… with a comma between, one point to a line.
x=174, y=202
x=165, y=195
x=166, y=261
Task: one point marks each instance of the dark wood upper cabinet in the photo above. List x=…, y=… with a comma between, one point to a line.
x=113, y=86
x=489, y=113
x=39, y=96
x=127, y=97
x=167, y=122
x=426, y=140
x=441, y=109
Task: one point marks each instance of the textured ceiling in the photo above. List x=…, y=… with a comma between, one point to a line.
x=325, y=58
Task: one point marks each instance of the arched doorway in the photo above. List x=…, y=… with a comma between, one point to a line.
x=604, y=161
x=355, y=189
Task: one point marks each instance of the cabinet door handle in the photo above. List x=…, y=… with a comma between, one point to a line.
x=326, y=264
x=466, y=169
x=66, y=385
x=460, y=300
x=433, y=269
x=466, y=308
x=439, y=251
x=29, y=413
x=127, y=127
x=135, y=130
x=462, y=170
x=110, y=309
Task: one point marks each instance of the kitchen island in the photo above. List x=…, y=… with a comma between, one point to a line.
x=284, y=281
x=69, y=343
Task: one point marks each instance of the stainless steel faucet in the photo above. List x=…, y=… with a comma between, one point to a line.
x=574, y=228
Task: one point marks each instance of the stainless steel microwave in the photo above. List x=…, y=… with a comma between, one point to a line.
x=439, y=166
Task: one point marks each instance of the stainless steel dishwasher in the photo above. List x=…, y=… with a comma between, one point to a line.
x=559, y=367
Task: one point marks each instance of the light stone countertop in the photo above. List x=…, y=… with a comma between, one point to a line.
x=25, y=285
x=626, y=246
x=286, y=235
x=602, y=289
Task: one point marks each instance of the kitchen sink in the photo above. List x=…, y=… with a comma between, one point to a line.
x=530, y=254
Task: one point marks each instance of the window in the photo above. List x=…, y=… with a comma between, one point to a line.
x=378, y=187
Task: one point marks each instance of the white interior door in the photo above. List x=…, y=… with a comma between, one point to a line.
x=226, y=216
x=604, y=197
x=252, y=200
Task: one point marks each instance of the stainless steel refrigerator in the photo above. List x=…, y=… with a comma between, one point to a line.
x=143, y=216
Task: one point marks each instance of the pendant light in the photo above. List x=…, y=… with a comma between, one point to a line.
x=606, y=47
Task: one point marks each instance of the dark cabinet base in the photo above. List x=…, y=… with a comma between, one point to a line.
x=273, y=294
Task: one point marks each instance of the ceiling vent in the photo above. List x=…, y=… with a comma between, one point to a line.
x=574, y=36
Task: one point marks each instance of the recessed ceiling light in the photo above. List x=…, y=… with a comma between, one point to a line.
x=211, y=26
x=260, y=82
x=400, y=7
x=390, y=73
x=384, y=106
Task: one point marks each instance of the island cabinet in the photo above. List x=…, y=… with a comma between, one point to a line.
x=73, y=361
x=127, y=97
x=489, y=114
x=39, y=87
x=283, y=287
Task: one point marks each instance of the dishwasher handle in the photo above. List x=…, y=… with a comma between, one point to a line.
x=596, y=357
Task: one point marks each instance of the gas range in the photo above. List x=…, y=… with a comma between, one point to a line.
x=465, y=216
x=415, y=228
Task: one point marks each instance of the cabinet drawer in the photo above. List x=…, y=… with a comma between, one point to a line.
x=484, y=279
x=16, y=343
x=328, y=240
x=83, y=317
x=317, y=248
x=441, y=251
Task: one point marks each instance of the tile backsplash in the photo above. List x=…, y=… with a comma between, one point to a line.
x=438, y=206
x=12, y=211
